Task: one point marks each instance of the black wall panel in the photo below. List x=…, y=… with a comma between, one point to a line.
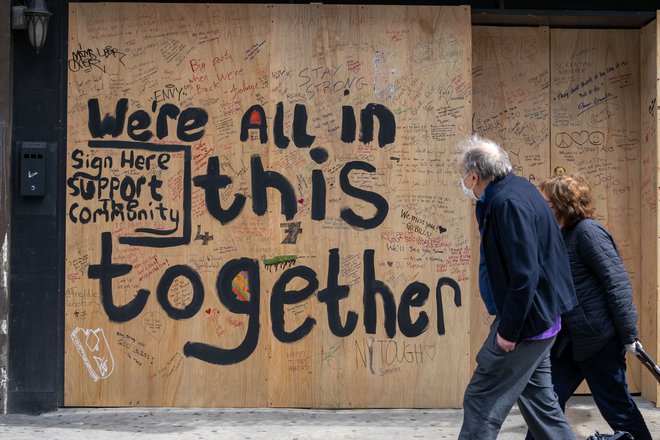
x=37, y=234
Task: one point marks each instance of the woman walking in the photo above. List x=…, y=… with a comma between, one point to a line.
x=597, y=333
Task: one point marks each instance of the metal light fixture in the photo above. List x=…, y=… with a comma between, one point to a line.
x=35, y=19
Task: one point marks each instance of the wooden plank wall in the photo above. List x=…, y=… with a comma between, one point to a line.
x=189, y=283
x=595, y=131
x=511, y=81
x=650, y=226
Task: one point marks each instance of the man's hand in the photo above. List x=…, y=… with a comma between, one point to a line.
x=505, y=345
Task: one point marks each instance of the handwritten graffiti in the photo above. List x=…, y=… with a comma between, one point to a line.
x=154, y=324
x=596, y=101
x=252, y=52
x=170, y=92
x=95, y=352
x=323, y=80
x=134, y=350
x=566, y=140
x=505, y=49
x=383, y=356
x=94, y=59
x=416, y=224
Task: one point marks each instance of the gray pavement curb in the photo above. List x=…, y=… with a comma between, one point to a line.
x=273, y=423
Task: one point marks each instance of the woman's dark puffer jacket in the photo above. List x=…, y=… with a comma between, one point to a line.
x=603, y=290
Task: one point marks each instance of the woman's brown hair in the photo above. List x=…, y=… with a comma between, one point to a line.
x=570, y=198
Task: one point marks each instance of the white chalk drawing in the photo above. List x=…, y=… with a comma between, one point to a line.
x=92, y=343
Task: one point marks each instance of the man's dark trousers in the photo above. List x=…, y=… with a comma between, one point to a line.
x=502, y=379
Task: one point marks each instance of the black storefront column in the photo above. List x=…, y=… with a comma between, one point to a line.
x=5, y=189
x=37, y=233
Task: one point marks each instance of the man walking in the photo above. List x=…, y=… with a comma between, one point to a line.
x=525, y=281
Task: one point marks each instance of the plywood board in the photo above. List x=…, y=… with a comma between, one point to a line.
x=376, y=55
x=263, y=207
x=595, y=131
x=650, y=225
x=511, y=82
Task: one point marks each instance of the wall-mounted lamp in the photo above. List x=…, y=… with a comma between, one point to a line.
x=34, y=18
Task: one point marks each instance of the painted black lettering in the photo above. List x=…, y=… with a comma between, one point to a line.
x=212, y=182
x=191, y=123
x=254, y=117
x=139, y=121
x=386, y=124
x=318, y=195
x=222, y=356
x=373, y=287
x=319, y=155
x=163, y=289
x=71, y=183
x=331, y=296
x=76, y=158
x=446, y=281
x=166, y=110
x=379, y=202
x=105, y=272
x=348, y=124
x=112, y=125
x=154, y=184
x=300, y=137
x=415, y=295
x=261, y=180
x=281, y=141
x=280, y=296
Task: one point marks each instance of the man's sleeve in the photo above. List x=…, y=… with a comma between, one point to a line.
x=518, y=241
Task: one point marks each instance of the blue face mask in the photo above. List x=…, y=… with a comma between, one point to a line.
x=468, y=191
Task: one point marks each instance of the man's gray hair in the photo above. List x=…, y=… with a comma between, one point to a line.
x=485, y=157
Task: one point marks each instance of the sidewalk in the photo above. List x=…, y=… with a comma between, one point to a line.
x=290, y=424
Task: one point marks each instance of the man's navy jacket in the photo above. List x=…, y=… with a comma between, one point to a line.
x=528, y=269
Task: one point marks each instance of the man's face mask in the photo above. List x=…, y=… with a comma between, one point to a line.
x=468, y=191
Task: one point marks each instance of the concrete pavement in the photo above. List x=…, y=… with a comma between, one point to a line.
x=291, y=424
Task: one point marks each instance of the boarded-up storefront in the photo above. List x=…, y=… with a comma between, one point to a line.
x=263, y=207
